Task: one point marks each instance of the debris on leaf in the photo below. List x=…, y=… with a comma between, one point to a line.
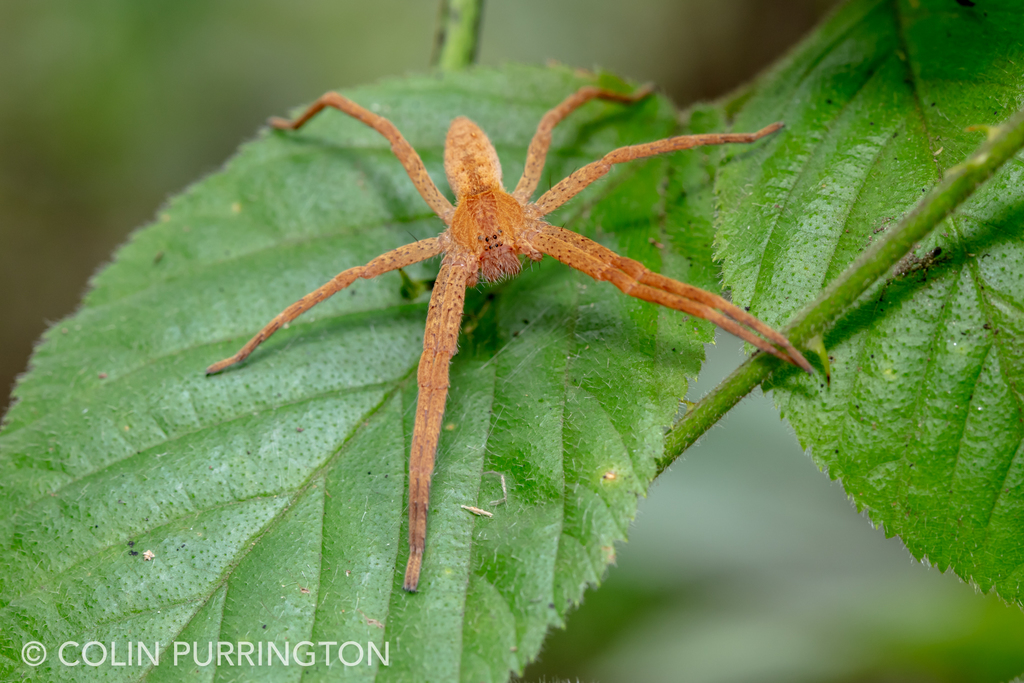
x=477, y=511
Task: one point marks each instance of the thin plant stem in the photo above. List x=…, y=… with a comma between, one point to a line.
x=458, y=35
x=959, y=183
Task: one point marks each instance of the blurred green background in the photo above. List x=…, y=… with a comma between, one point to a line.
x=746, y=564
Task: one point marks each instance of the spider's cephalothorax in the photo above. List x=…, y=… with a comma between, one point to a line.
x=486, y=232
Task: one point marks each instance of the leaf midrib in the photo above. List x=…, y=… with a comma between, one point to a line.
x=873, y=72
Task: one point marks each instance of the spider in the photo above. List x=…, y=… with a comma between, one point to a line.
x=486, y=232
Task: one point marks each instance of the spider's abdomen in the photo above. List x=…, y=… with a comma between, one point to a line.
x=470, y=161
x=486, y=225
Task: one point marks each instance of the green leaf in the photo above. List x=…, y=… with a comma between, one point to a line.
x=273, y=495
x=924, y=419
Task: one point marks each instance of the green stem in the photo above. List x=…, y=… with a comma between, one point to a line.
x=458, y=35
x=959, y=183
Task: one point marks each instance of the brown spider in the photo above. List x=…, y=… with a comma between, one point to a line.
x=487, y=231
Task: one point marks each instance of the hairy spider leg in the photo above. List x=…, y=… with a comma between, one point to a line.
x=538, y=150
x=600, y=269
x=399, y=145
x=440, y=341
x=707, y=302
x=640, y=281
x=392, y=260
x=575, y=183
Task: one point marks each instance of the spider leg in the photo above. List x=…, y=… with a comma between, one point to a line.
x=575, y=183
x=392, y=260
x=399, y=145
x=538, y=151
x=633, y=278
x=439, y=345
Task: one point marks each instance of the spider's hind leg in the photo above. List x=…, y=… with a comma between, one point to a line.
x=399, y=145
x=569, y=187
x=537, y=153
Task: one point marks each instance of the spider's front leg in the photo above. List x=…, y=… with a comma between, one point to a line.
x=634, y=279
x=440, y=341
x=628, y=275
x=392, y=260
